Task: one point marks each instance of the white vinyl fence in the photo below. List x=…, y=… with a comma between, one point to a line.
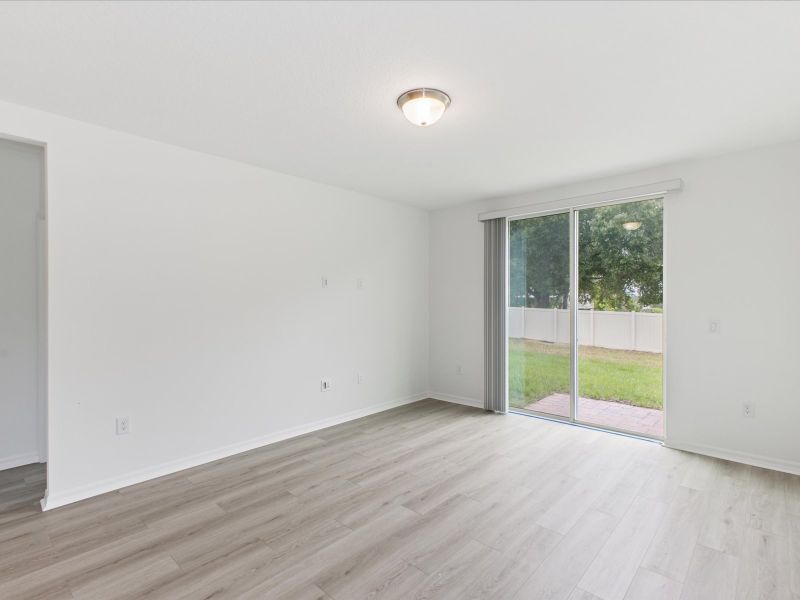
x=608, y=329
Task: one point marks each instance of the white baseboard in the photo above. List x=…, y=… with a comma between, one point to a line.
x=52, y=501
x=766, y=462
x=456, y=399
x=18, y=460
x=755, y=460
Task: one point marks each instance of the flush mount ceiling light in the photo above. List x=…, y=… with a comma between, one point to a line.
x=423, y=106
x=632, y=225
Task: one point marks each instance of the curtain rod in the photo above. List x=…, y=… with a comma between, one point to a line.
x=621, y=195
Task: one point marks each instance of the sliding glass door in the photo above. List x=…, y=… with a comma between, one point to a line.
x=585, y=316
x=539, y=362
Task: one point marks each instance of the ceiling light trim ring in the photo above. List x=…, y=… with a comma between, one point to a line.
x=423, y=93
x=437, y=102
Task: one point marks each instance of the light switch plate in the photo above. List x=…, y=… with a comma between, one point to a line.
x=123, y=425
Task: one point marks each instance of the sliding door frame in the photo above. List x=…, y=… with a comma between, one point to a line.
x=573, y=308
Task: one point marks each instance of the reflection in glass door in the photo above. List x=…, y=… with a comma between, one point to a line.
x=585, y=296
x=539, y=331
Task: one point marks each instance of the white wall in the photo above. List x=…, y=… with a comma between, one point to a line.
x=732, y=251
x=21, y=204
x=185, y=292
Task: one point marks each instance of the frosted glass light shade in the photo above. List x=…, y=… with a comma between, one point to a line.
x=423, y=106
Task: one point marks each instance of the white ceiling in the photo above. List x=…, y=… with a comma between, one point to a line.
x=543, y=93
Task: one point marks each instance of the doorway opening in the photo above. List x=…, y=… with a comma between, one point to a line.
x=23, y=328
x=585, y=316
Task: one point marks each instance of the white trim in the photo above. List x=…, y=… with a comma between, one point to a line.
x=18, y=460
x=41, y=333
x=755, y=460
x=664, y=320
x=474, y=402
x=640, y=192
x=22, y=140
x=574, y=387
x=83, y=492
x=506, y=304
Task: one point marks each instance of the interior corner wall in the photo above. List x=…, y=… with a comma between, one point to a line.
x=731, y=254
x=185, y=293
x=21, y=205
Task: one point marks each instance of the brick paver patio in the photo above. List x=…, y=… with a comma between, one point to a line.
x=646, y=421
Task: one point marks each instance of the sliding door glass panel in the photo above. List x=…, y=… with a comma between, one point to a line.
x=619, y=321
x=538, y=315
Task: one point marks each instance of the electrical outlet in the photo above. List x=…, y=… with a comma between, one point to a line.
x=713, y=326
x=325, y=384
x=748, y=411
x=361, y=378
x=123, y=425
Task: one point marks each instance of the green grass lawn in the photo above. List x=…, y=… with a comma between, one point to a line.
x=538, y=369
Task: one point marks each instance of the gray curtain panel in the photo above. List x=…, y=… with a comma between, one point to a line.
x=494, y=315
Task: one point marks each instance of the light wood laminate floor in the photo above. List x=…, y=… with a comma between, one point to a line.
x=431, y=500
